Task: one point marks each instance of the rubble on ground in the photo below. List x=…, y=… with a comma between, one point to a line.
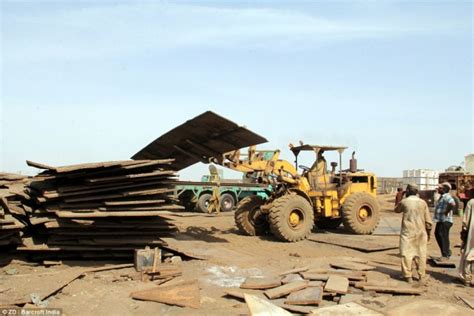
x=316, y=287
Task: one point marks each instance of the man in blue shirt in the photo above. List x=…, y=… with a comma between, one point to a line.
x=443, y=217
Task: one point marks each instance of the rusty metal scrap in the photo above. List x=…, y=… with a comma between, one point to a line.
x=201, y=139
x=185, y=294
x=103, y=209
x=14, y=206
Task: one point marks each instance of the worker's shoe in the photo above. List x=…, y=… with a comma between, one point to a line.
x=468, y=282
x=409, y=279
x=416, y=277
x=424, y=279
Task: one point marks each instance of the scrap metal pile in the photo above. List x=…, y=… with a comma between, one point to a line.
x=14, y=205
x=111, y=208
x=100, y=209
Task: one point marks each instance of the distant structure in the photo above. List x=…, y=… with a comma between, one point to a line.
x=389, y=185
x=469, y=163
x=425, y=179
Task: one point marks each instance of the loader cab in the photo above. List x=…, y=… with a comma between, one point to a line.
x=321, y=175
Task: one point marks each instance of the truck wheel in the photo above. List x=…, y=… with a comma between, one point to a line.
x=360, y=213
x=227, y=202
x=249, y=218
x=203, y=202
x=328, y=223
x=291, y=218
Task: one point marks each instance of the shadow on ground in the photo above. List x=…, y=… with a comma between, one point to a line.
x=205, y=234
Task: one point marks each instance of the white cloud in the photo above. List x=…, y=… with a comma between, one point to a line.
x=101, y=31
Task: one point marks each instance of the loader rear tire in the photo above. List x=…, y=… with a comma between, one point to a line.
x=360, y=213
x=249, y=218
x=291, y=218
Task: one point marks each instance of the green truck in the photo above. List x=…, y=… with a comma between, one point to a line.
x=197, y=195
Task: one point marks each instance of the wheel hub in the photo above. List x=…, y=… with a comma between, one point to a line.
x=294, y=219
x=364, y=213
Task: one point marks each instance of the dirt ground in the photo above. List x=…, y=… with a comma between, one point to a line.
x=231, y=258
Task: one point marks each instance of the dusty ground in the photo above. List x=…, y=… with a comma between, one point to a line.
x=232, y=257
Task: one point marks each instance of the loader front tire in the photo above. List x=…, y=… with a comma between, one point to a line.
x=360, y=213
x=291, y=218
x=249, y=218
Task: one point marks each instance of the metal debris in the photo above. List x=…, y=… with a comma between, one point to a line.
x=206, y=137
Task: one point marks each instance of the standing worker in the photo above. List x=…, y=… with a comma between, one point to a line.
x=466, y=264
x=443, y=217
x=399, y=196
x=415, y=233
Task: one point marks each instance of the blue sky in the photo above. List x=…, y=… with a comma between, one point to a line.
x=92, y=81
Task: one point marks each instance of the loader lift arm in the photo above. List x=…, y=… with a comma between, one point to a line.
x=273, y=170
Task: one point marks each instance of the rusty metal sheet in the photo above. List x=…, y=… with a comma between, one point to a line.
x=308, y=296
x=337, y=284
x=185, y=294
x=261, y=282
x=206, y=136
x=286, y=289
x=85, y=166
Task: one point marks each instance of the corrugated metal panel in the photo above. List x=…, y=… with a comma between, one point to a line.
x=199, y=139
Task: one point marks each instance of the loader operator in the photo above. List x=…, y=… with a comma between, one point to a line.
x=318, y=171
x=414, y=235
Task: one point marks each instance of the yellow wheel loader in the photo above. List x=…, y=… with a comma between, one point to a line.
x=296, y=201
x=317, y=196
